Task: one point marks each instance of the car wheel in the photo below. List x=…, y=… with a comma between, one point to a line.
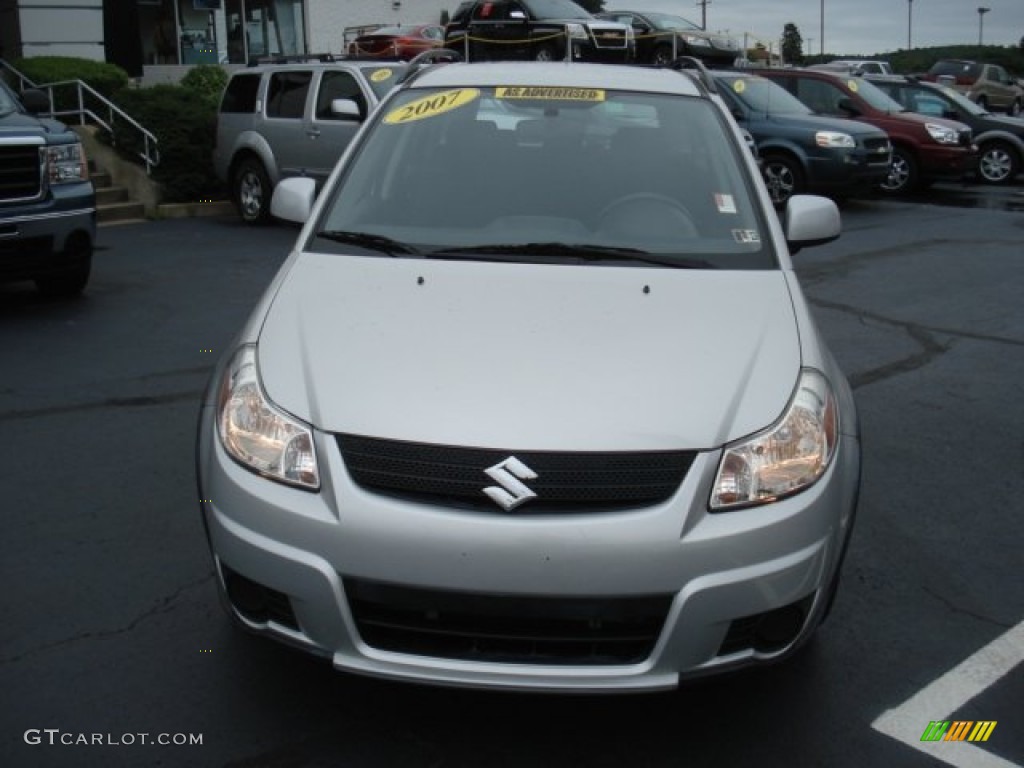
x=998, y=163
x=71, y=283
x=544, y=53
x=252, y=192
x=662, y=56
x=784, y=178
x=1014, y=109
x=903, y=173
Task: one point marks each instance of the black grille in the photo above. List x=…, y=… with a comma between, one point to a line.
x=878, y=150
x=966, y=137
x=504, y=628
x=609, y=38
x=20, y=175
x=565, y=482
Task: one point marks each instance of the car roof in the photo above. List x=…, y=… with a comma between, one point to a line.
x=559, y=74
x=317, y=64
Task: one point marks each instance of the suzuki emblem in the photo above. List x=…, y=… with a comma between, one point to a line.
x=509, y=474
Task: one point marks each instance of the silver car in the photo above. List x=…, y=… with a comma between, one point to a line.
x=535, y=403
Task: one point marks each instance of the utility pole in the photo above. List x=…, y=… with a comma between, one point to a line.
x=910, y=21
x=703, y=12
x=981, y=17
x=821, y=32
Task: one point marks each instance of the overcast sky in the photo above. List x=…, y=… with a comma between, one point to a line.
x=853, y=26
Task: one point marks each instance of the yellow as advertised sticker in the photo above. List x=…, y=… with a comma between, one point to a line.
x=381, y=75
x=854, y=85
x=430, y=106
x=550, y=94
x=739, y=86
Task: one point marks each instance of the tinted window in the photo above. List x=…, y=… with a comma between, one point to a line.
x=286, y=95
x=820, y=96
x=762, y=95
x=383, y=79
x=337, y=85
x=240, y=95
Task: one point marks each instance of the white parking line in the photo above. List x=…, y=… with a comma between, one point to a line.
x=943, y=697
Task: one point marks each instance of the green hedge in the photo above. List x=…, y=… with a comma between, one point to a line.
x=108, y=79
x=184, y=123
x=207, y=81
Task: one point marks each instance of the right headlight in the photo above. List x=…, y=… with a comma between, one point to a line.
x=258, y=435
x=785, y=458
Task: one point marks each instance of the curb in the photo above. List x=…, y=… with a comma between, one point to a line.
x=189, y=210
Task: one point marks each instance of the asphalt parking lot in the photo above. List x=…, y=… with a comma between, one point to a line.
x=113, y=628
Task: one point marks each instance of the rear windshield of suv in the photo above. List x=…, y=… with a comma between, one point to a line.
x=967, y=69
x=483, y=171
x=240, y=95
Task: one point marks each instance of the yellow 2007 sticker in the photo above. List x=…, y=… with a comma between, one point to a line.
x=381, y=75
x=430, y=106
x=553, y=94
x=854, y=85
x=739, y=86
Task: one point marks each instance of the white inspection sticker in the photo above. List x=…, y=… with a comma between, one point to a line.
x=725, y=203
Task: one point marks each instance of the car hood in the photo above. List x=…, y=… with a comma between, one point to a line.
x=20, y=124
x=823, y=123
x=520, y=356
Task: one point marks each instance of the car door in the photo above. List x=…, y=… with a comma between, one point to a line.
x=328, y=134
x=283, y=126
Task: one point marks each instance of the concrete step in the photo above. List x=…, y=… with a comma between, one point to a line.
x=100, y=179
x=108, y=195
x=118, y=213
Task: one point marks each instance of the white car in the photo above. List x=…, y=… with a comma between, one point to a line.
x=537, y=405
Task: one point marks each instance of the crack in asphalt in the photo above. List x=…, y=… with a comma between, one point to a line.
x=956, y=609
x=931, y=348
x=163, y=605
x=139, y=401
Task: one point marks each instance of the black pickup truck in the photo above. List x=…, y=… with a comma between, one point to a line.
x=47, y=203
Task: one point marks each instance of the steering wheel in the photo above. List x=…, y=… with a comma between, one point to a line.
x=647, y=214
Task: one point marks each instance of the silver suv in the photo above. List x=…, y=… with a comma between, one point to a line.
x=280, y=120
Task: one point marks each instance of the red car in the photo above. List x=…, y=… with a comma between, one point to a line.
x=398, y=42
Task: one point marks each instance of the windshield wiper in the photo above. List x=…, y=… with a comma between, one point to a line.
x=369, y=241
x=584, y=252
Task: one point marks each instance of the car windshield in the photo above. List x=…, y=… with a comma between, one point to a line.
x=556, y=9
x=567, y=175
x=762, y=95
x=874, y=95
x=668, y=21
x=383, y=79
x=962, y=101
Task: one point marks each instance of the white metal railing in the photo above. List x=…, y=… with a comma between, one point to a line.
x=150, y=154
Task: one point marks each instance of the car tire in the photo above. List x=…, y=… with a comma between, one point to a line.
x=903, y=176
x=70, y=284
x=783, y=176
x=544, y=53
x=998, y=162
x=251, y=191
x=662, y=55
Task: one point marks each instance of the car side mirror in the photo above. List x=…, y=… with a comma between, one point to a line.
x=810, y=220
x=293, y=198
x=346, y=109
x=35, y=101
x=846, y=105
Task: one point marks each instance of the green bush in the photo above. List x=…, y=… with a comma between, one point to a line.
x=106, y=78
x=206, y=80
x=185, y=126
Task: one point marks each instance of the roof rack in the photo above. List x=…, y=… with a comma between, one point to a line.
x=296, y=58
x=691, y=64
x=428, y=59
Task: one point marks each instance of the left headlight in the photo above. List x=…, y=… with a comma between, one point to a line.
x=65, y=164
x=256, y=433
x=834, y=140
x=942, y=133
x=787, y=457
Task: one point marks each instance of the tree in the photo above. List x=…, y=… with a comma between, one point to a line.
x=792, y=44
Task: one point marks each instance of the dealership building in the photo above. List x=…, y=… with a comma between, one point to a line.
x=141, y=35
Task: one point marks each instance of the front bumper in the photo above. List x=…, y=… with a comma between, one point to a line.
x=34, y=237
x=846, y=171
x=713, y=572
x=949, y=162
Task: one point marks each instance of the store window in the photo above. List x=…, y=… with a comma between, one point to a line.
x=260, y=28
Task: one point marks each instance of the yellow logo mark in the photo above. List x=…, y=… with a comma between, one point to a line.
x=381, y=75
x=739, y=86
x=430, y=106
x=553, y=94
x=853, y=85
